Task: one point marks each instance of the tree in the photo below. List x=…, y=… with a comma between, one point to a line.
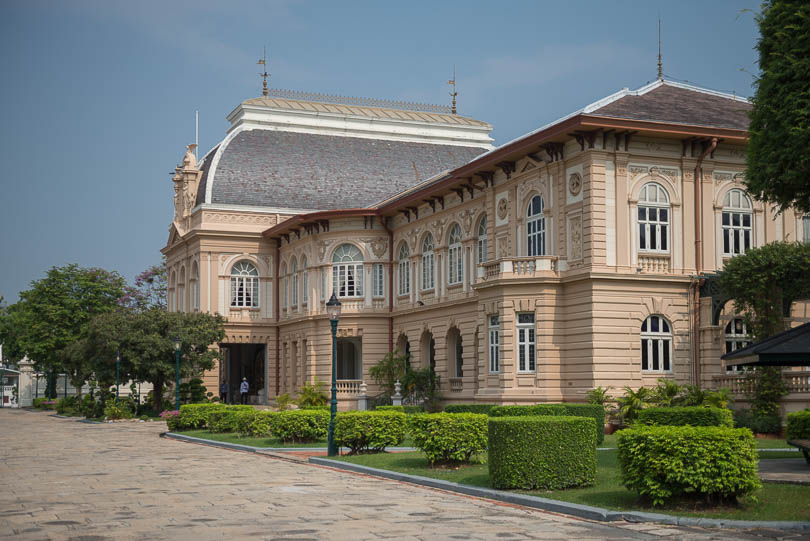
x=150, y=289
x=778, y=162
x=55, y=313
x=389, y=370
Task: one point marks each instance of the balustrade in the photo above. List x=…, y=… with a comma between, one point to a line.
x=738, y=384
x=521, y=267
x=456, y=385
x=348, y=386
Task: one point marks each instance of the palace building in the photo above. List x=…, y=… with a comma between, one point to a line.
x=577, y=255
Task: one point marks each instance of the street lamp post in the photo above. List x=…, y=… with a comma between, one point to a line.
x=333, y=310
x=177, y=344
x=117, y=373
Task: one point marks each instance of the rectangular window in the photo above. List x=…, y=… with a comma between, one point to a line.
x=806, y=228
x=454, y=267
x=404, y=277
x=736, y=233
x=305, y=288
x=494, y=344
x=323, y=283
x=526, y=343
x=347, y=280
x=655, y=354
x=378, y=279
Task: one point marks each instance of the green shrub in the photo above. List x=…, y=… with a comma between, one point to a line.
x=408, y=410
x=449, y=437
x=172, y=418
x=798, y=425
x=326, y=407
x=193, y=416
x=258, y=426
x=313, y=395
x=758, y=424
x=597, y=411
x=43, y=403
x=68, y=406
x=692, y=416
x=300, y=425
x=369, y=431
x=549, y=452
x=117, y=411
x=90, y=407
x=230, y=419
x=708, y=462
x=469, y=408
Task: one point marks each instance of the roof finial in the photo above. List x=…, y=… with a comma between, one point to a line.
x=263, y=62
x=452, y=82
x=660, y=66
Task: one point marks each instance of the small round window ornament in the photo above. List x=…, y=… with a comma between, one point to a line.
x=574, y=184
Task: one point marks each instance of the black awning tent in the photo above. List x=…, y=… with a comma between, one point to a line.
x=788, y=348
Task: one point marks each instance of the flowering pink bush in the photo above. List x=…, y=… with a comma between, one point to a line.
x=172, y=418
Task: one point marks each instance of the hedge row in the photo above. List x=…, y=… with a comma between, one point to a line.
x=798, y=425
x=758, y=424
x=595, y=411
x=550, y=452
x=707, y=462
x=449, y=437
x=682, y=416
x=468, y=408
x=369, y=431
x=409, y=410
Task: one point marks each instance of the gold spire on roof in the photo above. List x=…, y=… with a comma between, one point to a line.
x=660, y=66
x=263, y=62
x=452, y=82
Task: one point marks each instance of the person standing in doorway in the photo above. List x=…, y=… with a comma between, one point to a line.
x=223, y=392
x=243, y=389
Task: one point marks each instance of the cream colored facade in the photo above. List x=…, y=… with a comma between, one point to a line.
x=589, y=289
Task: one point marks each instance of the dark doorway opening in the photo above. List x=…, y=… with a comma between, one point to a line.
x=244, y=361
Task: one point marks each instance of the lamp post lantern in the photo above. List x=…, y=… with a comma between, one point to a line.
x=177, y=344
x=333, y=310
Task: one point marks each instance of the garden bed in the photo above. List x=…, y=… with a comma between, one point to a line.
x=774, y=502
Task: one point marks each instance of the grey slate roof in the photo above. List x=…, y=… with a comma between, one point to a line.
x=321, y=172
x=669, y=103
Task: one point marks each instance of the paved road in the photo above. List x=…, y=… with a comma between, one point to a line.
x=62, y=479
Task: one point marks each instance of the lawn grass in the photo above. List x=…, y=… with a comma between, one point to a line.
x=772, y=502
x=230, y=437
x=762, y=443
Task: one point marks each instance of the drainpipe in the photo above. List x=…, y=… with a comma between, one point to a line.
x=390, y=283
x=699, y=252
x=277, y=305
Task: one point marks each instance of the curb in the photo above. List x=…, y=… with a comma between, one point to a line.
x=557, y=506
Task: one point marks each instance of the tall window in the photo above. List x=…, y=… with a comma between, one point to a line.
x=459, y=355
x=806, y=228
x=455, y=269
x=195, y=287
x=653, y=218
x=244, y=285
x=181, y=291
x=284, y=286
x=304, y=281
x=737, y=219
x=377, y=271
x=656, y=345
x=347, y=271
x=494, y=344
x=172, y=296
x=526, y=343
x=323, y=283
x=403, y=270
x=736, y=337
x=294, y=275
x=482, y=240
x=428, y=268
x=536, y=227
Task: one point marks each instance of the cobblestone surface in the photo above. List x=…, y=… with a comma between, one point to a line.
x=62, y=479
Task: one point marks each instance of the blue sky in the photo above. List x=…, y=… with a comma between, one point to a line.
x=98, y=97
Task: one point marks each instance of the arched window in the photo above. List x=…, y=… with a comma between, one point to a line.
x=737, y=220
x=428, y=274
x=244, y=285
x=304, y=281
x=536, y=227
x=172, y=296
x=403, y=270
x=294, y=276
x=455, y=269
x=347, y=271
x=482, y=240
x=736, y=337
x=181, y=291
x=656, y=345
x=284, y=285
x=653, y=218
x=195, y=287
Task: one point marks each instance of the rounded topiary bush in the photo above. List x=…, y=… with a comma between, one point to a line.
x=300, y=425
x=682, y=416
x=369, y=431
x=449, y=437
x=798, y=425
x=707, y=462
x=550, y=452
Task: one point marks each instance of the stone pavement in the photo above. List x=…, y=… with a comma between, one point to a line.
x=62, y=479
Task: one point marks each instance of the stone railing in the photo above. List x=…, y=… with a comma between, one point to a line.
x=456, y=385
x=348, y=386
x=521, y=267
x=654, y=263
x=244, y=314
x=796, y=382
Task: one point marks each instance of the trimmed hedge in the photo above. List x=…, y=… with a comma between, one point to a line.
x=596, y=411
x=758, y=424
x=300, y=425
x=682, y=416
x=409, y=410
x=230, y=419
x=469, y=408
x=798, y=425
x=548, y=452
x=369, y=431
x=194, y=416
x=325, y=407
x=449, y=437
x=258, y=425
x=707, y=462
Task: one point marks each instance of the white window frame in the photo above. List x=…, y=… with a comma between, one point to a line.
x=656, y=345
x=428, y=263
x=378, y=280
x=404, y=270
x=736, y=337
x=536, y=228
x=737, y=207
x=653, y=233
x=455, y=267
x=494, y=344
x=347, y=271
x=304, y=282
x=806, y=228
x=294, y=274
x=244, y=275
x=195, y=287
x=526, y=343
x=482, y=240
